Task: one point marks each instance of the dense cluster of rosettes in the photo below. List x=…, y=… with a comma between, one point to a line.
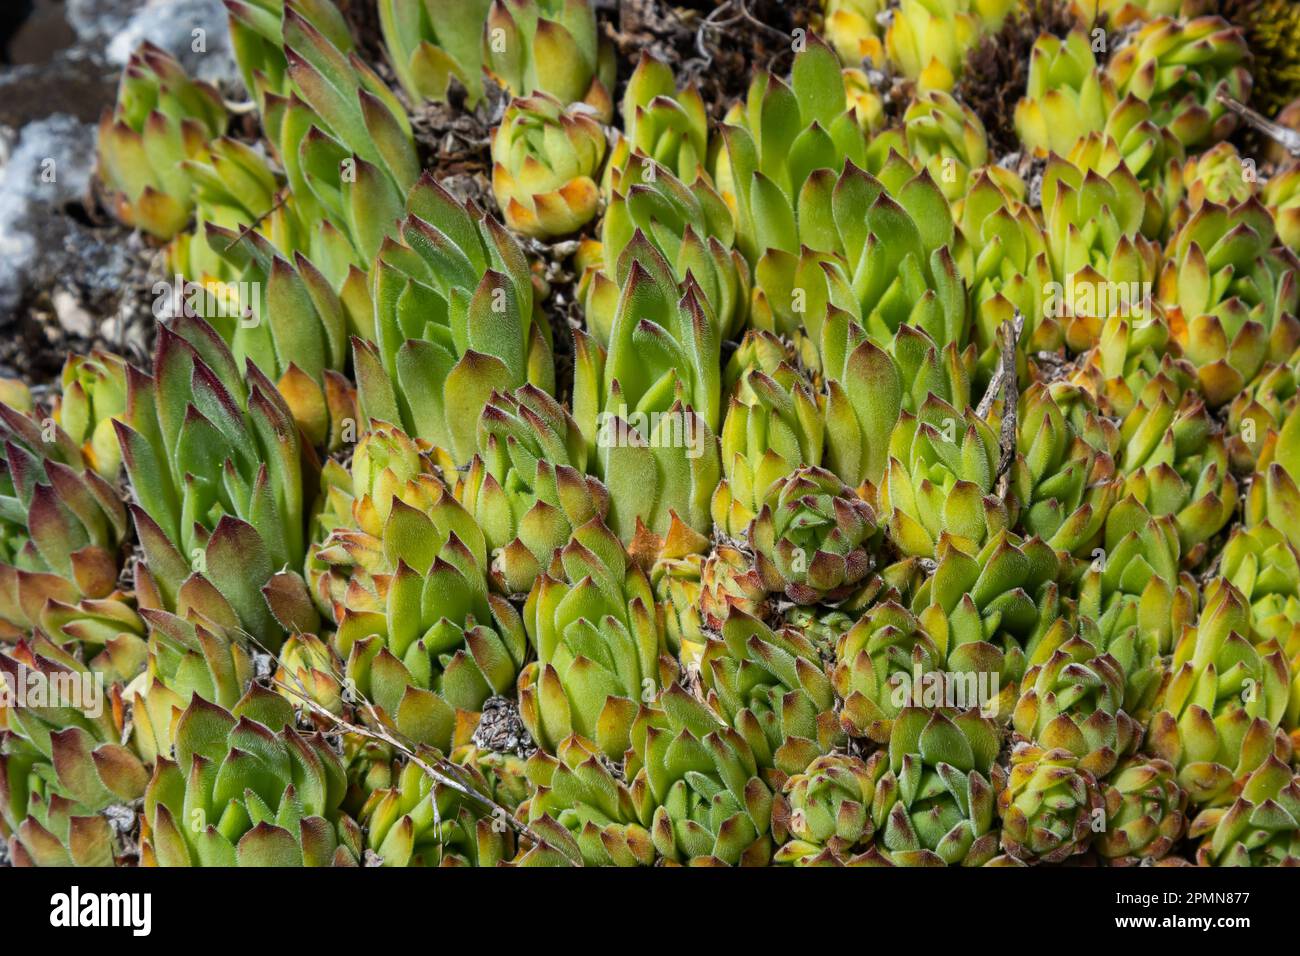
x=910, y=505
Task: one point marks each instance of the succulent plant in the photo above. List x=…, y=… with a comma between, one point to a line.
x=527, y=488
x=553, y=47
x=420, y=822
x=1068, y=94
x=668, y=126
x=341, y=135
x=676, y=578
x=65, y=776
x=1130, y=351
x=255, y=792
x=1223, y=701
x=897, y=464
x=650, y=405
x=546, y=161
x=810, y=540
x=853, y=31
x=1219, y=175
x=1071, y=699
x=1231, y=297
x=654, y=218
x=406, y=584
x=162, y=118
x=590, y=812
x=1259, y=562
x=454, y=322
x=257, y=34
x=730, y=579
x=61, y=524
x=1180, y=67
x=1005, y=595
x=1101, y=263
x=1123, y=12
x=430, y=42
x=1273, y=495
x=219, y=476
x=696, y=783
x=1064, y=473
x=833, y=256
x=235, y=188
x=1153, y=154
x=1281, y=194
x=1258, y=412
x=878, y=662
x=775, y=144
x=600, y=653
x=927, y=40
x=1134, y=581
x=1001, y=252
x=773, y=426
x=943, y=464
x=935, y=804
x=1260, y=828
x=1176, y=462
x=92, y=393
x=827, y=810
x=947, y=138
x=1051, y=806
x=770, y=686
x=1145, y=813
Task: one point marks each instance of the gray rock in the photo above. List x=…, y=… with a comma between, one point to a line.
x=47, y=171
x=99, y=19
x=48, y=166
x=171, y=24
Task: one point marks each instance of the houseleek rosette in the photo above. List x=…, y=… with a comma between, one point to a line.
x=939, y=481
x=774, y=425
x=696, y=784
x=552, y=47
x=771, y=687
x=430, y=42
x=546, y=161
x=162, y=118
x=63, y=764
x=1223, y=702
x=246, y=789
x=1232, y=296
x=219, y=475
x=811, y=539
x=61, y=523
x=600, y=653
x=934, y=804
x=527, y=487
x=405, y=582
x=826, y=810
x=1181, y=67
x=1049, y=805
x=455, y=321
x=1068, y=94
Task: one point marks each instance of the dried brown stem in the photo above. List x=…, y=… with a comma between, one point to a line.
x=445, y=773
